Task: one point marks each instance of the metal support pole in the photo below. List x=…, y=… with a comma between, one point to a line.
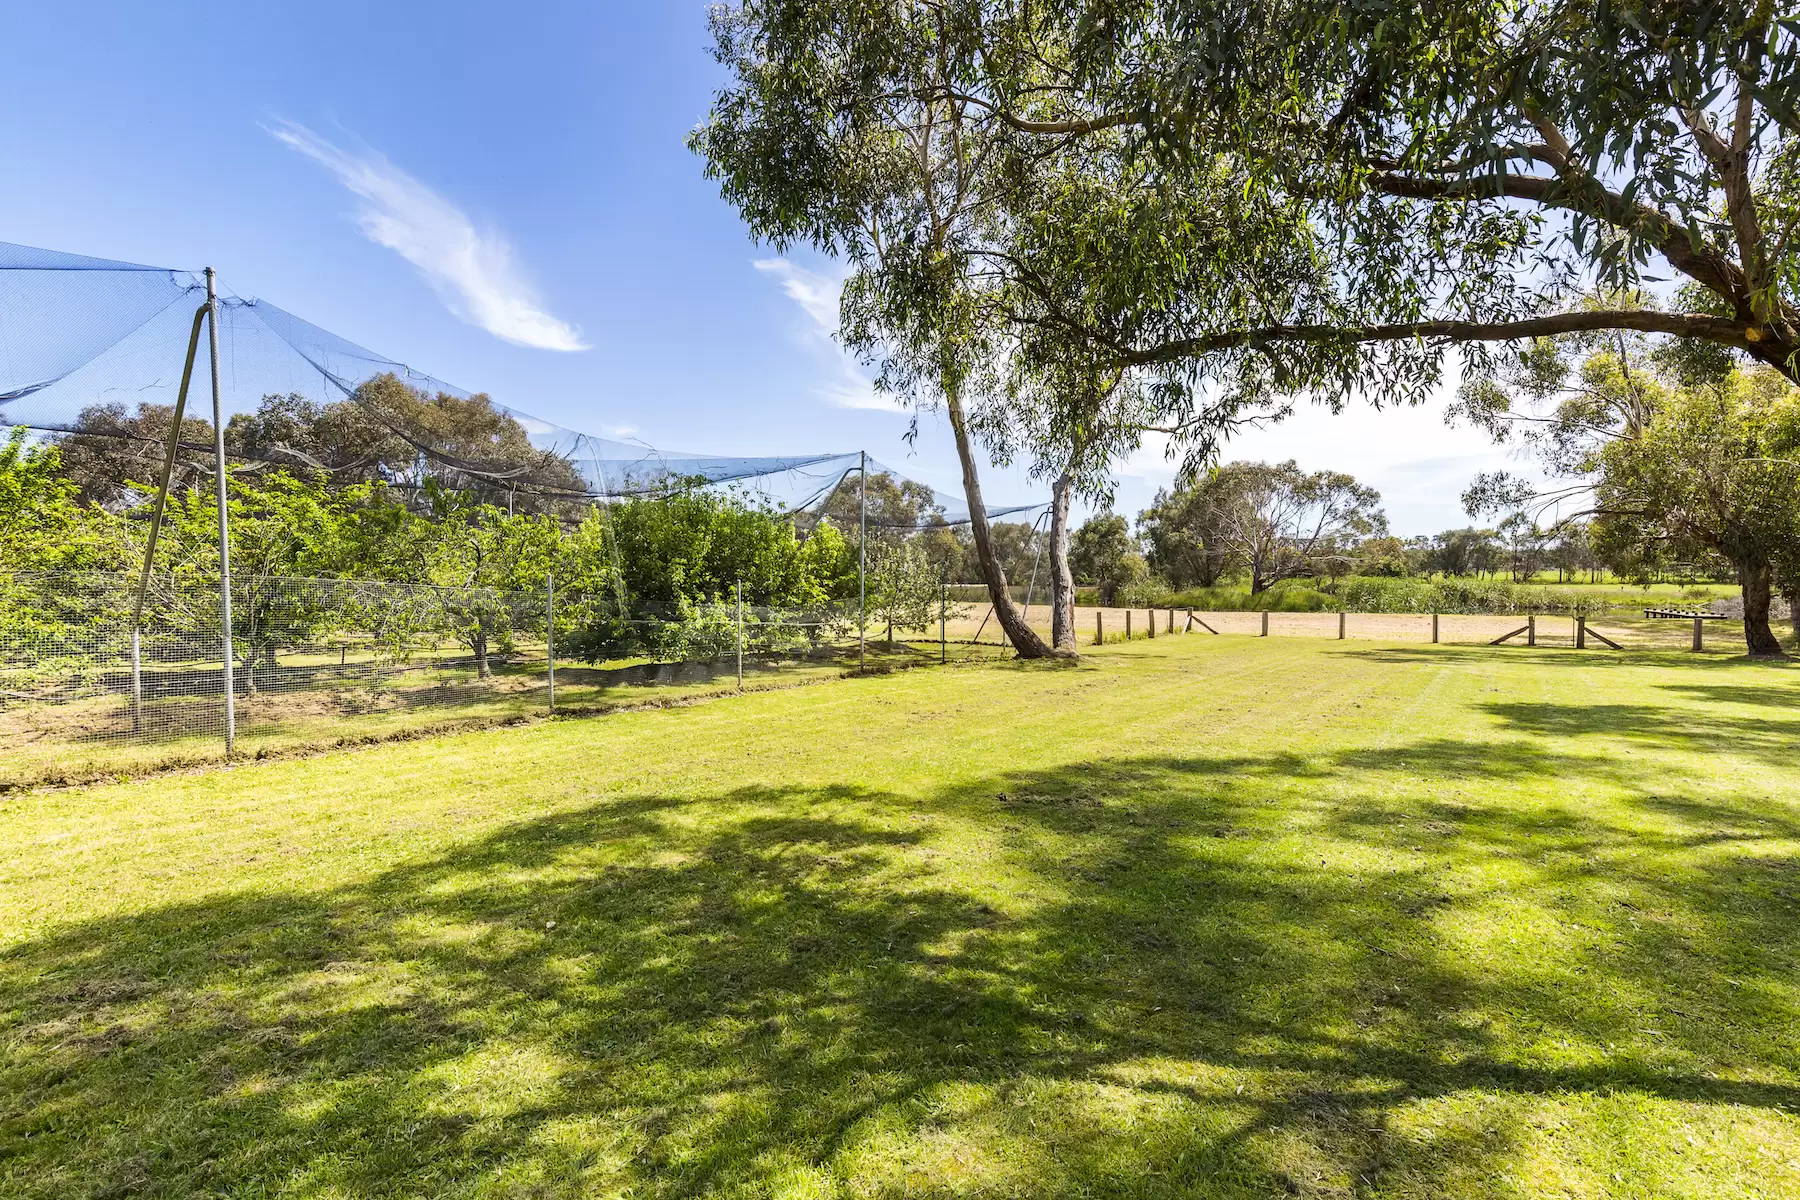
x=218, y=405
x=862, y=562
x=550, y=633
x=1036, y=558
x=162, y=502
x=944, y=621
x=740, y=634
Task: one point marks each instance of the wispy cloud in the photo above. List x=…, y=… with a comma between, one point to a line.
x=474, y=270
x=817, y=296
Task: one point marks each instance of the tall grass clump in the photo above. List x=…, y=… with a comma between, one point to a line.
x=1288, y=596
x=1370, y=594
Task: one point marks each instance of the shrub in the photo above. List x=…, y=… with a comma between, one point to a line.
x=1372, y=595
x=1288, y=596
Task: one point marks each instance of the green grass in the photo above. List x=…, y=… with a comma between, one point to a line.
x=89, y=739
x=1197, y=917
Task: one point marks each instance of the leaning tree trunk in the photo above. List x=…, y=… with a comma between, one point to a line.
x=1062, y=579
x=1758, y=581
x=1027, y=643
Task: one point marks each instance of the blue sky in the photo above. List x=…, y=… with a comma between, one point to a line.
x=500, y=196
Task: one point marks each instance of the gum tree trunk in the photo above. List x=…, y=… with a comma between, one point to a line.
x=1758, y=588
x=1027, y=643
x=1062, y=579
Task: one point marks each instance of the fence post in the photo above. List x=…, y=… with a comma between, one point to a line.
x=1128, y=624
x=1699, y=638
x=944, y=622
x=137, y=683
x=1150, y=616
x=1434, y=628
x=740, y=634
x=1099, y=627
x=1171, y=620
x=1531, y=629
x=550, y=634
x=1580, y=633
x=1265, y=629
x=1342, y=617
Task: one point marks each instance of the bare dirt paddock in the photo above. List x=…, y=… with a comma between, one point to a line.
x=1631, y=633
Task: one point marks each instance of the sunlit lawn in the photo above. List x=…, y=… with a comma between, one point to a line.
x=1200, y=916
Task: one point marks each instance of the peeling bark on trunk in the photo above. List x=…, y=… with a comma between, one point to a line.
x=1758, y=587
x=1062, y=579
x=1027, y=643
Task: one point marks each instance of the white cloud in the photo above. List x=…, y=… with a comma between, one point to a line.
x=817, y=296
x=473, y=270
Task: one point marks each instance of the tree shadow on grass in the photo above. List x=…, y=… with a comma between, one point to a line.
x=1784, y=694
x=1685, y=729
x=1567, y=657
x=1153, y=989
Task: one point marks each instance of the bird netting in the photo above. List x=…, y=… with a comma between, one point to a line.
x=92, y=348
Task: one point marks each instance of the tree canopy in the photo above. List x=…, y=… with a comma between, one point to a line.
x=1253, y=201
x=1671, y=460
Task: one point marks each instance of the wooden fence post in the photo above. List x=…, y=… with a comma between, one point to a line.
x=1581, y=633
x=1434, y=628
x=1099, y=627
x=1342, y=617
x=1171, y=620
x=1150, y=616
x=1531, y=629
x=1265, y=631
x=1699, y=637
x=1128, y=624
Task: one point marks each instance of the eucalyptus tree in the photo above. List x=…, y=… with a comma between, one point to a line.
x=1463, y=169
x=1281, y=522
x=1674, y=455
x=923, y=144
x=1453, y=173
x=1071, y=418
x=839, y=129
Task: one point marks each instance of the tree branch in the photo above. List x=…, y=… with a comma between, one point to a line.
x=1694, y=325
x=1583, y=195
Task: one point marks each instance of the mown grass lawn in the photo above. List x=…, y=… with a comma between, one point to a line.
x=1197, y=917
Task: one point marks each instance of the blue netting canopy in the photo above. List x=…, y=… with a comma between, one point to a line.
x=83, y=338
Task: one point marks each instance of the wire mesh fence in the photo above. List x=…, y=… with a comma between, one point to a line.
x=85, y=690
